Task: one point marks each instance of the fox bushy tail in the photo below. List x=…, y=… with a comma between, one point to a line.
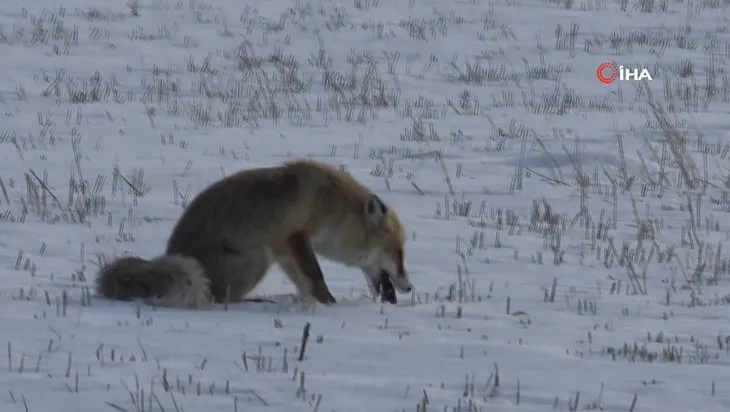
x=168, y=280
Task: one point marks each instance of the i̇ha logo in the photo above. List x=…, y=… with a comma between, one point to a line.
x=608, y=73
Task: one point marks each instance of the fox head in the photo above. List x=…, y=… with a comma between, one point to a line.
x=386, y=241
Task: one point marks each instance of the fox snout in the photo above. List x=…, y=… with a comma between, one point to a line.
x=401, y=282
x=394, y=266
x=396, y=273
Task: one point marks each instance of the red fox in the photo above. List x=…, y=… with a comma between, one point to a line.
x=230, y=234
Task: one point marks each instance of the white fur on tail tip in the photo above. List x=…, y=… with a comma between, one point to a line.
x=191, y=291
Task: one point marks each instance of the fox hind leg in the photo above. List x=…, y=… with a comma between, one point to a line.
x=234, y=275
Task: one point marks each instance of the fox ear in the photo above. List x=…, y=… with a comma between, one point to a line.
x=375, y=210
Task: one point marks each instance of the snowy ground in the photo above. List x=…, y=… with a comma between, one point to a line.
x=568, y=243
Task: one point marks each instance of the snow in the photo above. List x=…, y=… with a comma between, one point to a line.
x=469, y=117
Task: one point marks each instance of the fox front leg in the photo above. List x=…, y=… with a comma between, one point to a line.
x=308, y=268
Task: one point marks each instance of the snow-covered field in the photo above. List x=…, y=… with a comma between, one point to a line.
x=567, y=239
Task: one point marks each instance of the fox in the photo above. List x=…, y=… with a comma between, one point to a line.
x=234, y=230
